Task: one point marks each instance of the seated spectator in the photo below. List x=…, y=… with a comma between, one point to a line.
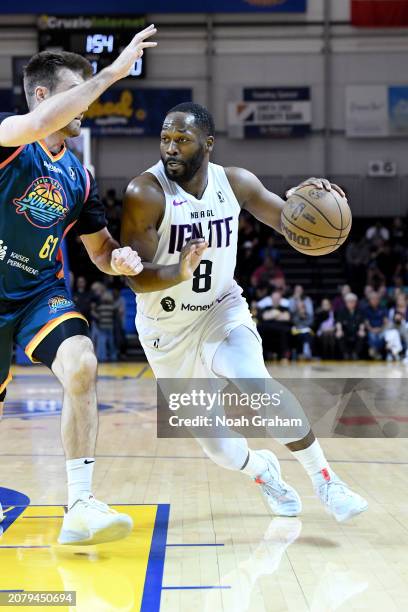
x=82, y=297
x=364, y=302
x=103, y=315
x=338, y=302
x=297, y=296
x=375, y=320
x=396, y=338
x=401, y=306
x=325, y=327
x=398, y=232
x=377, y=233
x=261, y=298
x=274, y=325
x=350, y=329
x=302, y=331
x=267, y=272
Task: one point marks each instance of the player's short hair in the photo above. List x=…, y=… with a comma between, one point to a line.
x=43, y=69
x=203, y=118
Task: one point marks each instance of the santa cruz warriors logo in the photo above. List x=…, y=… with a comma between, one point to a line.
x=44, y=203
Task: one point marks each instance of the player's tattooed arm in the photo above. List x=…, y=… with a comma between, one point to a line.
x=255, y=198
x=53, y=111
x=143, y=210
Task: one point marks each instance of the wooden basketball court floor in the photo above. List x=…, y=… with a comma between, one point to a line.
x=202, y=539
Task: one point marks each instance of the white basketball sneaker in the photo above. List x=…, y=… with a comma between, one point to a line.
x=93, y=522
x=338, y=499
x=1, y=513
x=281, y=498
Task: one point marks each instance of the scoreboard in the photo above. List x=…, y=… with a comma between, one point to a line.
x=100, y=39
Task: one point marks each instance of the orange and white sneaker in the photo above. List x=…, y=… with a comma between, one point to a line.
x=337, y=497
x=93, y=522
x=280, y=497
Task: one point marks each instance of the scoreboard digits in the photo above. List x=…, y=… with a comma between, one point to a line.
x=100, y=39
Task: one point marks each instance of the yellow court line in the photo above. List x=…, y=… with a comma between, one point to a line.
x=105, y=577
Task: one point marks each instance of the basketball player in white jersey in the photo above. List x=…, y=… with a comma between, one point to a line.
x=181, y=216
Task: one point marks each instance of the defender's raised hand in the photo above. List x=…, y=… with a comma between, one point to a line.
x=190, y=257
x=121, y=67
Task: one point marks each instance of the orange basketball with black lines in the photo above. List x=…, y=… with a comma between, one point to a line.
x=315, y=221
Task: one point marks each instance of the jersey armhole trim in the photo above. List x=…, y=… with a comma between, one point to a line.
x=166, y=213
x=11, y=157
x=88, y=184
x=231, y=189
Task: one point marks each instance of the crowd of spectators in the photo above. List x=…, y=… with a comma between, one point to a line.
x=368, y=318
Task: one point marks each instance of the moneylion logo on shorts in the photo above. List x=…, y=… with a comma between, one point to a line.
x=168, y=304
x=44, y=203
x=59, y=302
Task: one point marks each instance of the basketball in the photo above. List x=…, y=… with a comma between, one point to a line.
x=316, y=221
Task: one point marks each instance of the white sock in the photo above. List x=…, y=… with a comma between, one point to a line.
x=255, y=465
x=312, y=459
x=79, y=474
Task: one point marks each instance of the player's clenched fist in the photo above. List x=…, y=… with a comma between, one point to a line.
x=190, y=257
x=126, y=261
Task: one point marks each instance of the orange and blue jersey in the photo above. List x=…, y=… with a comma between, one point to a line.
x=42, y=195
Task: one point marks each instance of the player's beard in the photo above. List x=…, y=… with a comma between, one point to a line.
x=187, y=169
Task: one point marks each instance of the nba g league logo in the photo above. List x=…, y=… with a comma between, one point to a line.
x=44, y=203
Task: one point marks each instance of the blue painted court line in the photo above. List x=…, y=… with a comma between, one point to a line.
x=188, y=588
x=194, y=545
x=155, y=566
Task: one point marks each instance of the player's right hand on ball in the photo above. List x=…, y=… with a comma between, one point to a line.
x=190, y=257
x=121, y=67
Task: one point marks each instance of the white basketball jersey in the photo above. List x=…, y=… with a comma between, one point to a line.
x=215, y=218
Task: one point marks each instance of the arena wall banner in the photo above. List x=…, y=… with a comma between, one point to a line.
x=270, y=112
x=376, y=111
x=379, y=13
x=122, y=111
x=118, y=7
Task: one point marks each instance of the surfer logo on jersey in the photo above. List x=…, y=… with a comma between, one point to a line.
x=168, y=304
x=59, y=302
x=44, y=203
